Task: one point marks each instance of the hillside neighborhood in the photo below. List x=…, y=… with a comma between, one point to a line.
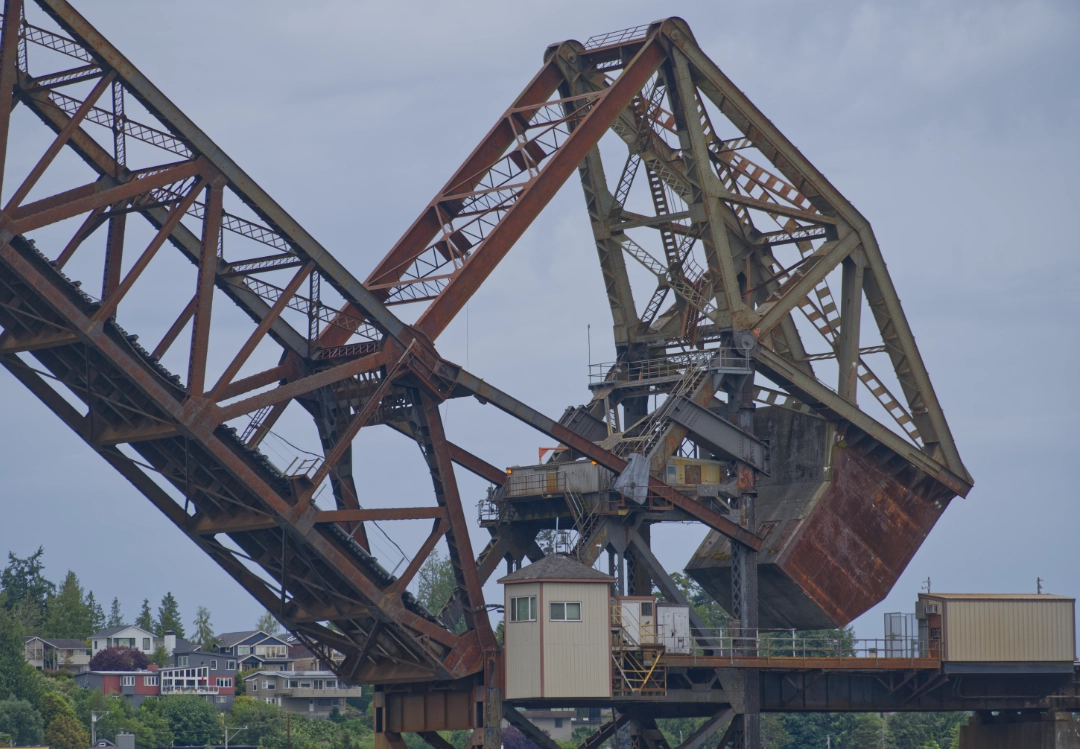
x=72, y=677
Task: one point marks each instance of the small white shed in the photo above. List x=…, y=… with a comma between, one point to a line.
x=673, y=626
x=557, y=638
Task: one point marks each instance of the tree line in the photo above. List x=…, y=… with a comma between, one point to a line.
x=69, y=611
x=38, y=708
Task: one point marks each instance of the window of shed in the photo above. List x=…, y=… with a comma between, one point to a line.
x=523, y=609
x=565, y=611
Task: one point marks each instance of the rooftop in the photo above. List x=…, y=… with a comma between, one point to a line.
x=228, y=639
x=996, y=596
x=110, y=631
x=185, y=646
x=557, y=567
x=59, y=642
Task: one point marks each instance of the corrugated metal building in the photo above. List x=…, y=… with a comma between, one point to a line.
x=557, y=639
x=998, y=628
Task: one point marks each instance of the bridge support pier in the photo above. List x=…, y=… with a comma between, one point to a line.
x=1053, y=729
x=472, y=704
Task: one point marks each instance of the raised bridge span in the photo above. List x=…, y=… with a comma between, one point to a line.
x=831, y=475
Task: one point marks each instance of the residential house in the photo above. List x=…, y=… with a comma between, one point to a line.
x=138, y=686
x=124, y=635
x=53, y=654
x=194, y=671
x=556, y=723
x=304, y=659
x=135, y=686
x=255, y=650
x=313, y=693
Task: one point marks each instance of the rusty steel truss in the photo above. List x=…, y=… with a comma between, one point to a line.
x=738, y=234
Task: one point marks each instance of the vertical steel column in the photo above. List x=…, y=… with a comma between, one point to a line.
x=847, y=351
x=9, y=54
x=744, y=572
x=114, y=245
x=493, y=699
x=204, y=294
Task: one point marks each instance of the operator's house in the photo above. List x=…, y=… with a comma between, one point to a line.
x=558, y=630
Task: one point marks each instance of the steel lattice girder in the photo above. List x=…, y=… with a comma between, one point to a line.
x=361, y=365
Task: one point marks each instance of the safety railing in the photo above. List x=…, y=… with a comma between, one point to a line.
x=494, y=508
x=622, y=36
x=205, y=689
x=668, y=367
x=643, y=436
x=792, y=645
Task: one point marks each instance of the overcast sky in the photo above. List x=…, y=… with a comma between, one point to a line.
x=951, y=126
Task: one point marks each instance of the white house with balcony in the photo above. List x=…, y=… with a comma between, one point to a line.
x=314, y=693
x=54, y=654
x=124, y=635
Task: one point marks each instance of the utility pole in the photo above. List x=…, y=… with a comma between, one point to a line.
x=234, y=732
x=1038, y=585
x=93, y=724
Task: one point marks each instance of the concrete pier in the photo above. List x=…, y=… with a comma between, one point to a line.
x=1052, y=729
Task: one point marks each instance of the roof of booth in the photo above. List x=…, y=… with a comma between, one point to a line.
x=557, y=567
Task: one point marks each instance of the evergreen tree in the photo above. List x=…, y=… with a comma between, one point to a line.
x=204, y=631
x=146, y=618
x=68, y=613
x=116, y=619
x=268, y=624
x=18, y=679
x=62, y=728
x=25, y=589
x=97, y=614
x=54, y=704
x=435, y=583
x=65, y=732
x=169, y=617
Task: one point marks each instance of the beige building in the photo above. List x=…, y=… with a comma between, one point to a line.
x=314, y=693
x=52, y=654
x=981, y=628
x=557, y=639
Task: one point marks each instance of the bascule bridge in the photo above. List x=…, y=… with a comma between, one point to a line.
x=767, y=385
